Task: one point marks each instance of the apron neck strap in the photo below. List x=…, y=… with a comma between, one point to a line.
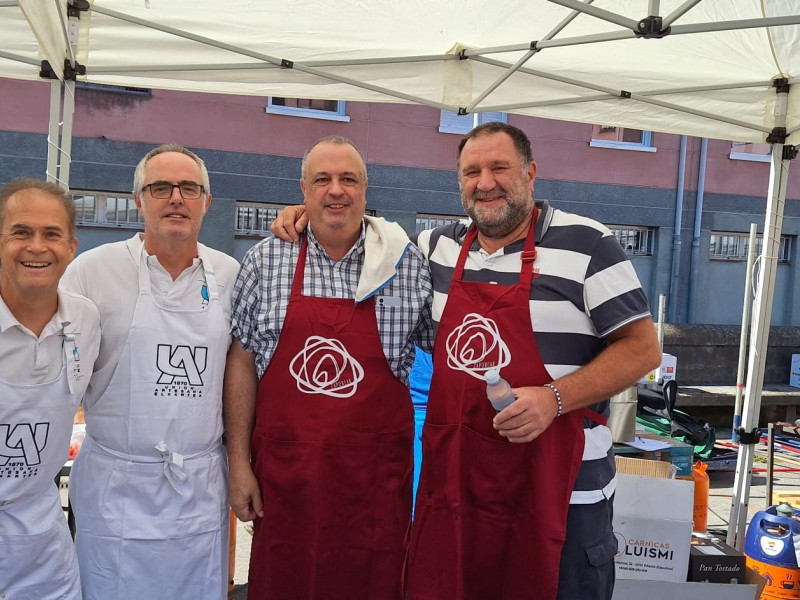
x=527, y=257
x=205, y=261
x=299, y=270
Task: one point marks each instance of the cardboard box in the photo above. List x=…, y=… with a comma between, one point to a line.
x=794, y=372
x=641, y=466
x=712, y=560
x=680, y=454
x=671, y=590
x=653, y=527
x=667, y=371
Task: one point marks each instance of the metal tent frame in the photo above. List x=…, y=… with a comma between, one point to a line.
x=689, y=72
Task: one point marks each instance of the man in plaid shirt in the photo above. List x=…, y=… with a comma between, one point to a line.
x=318, y=415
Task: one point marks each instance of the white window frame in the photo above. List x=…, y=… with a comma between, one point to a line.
x=99, y=214
x=257, y=207
x=310, y=113
x=749, y=156
x=431, y=221
x=450, y=122
x=740, y=242
x=642, y=236
x=646, y=145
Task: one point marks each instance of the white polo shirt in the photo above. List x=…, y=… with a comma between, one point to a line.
x=109, y=276
x=26, y=359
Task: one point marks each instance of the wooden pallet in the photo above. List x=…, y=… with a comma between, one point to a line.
x=790, y=496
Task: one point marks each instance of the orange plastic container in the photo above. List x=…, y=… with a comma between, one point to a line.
x=232, y=552
x=701, y=483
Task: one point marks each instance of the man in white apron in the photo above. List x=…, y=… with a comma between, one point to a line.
x=149, y=488
x=48, y=343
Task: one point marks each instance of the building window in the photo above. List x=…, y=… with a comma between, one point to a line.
x=330, y=110
x=450, y=122
x=254, y=219
x=636, y=241
x=104, y=209
x=733, y=246
x=621, y=138
x=755, y=152
x=432, y=221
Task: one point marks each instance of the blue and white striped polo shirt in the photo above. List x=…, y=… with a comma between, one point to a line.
x=586, y=288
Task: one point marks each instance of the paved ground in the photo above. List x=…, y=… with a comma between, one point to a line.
x=786, y=478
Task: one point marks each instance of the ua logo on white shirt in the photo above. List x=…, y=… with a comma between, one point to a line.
x=324, y=366
x=475, y=346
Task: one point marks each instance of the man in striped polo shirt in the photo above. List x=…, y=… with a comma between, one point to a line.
x=551, y=300
x=590, y=324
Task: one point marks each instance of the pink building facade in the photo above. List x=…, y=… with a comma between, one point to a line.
x=682, y=214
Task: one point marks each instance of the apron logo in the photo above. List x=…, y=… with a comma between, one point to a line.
x=324, y=366
x=25, y=442
x=180, y=367
x=475, y=346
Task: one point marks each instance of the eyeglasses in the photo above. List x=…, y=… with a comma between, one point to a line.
x=188, y=190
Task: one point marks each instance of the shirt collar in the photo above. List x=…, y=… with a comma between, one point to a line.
x=7, y=320
x=152, y=260
x=57, y=323
x=317, y=248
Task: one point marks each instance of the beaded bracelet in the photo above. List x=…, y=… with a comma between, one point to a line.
x=558, y=397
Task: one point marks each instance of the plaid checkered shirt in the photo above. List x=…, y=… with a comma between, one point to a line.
x=262, y=291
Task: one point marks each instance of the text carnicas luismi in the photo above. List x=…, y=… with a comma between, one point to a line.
x=648, y=549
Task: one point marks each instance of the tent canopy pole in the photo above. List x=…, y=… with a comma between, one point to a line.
x=762, y=314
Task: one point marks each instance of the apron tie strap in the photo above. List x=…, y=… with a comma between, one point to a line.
x=173, y=461
x=173, y=467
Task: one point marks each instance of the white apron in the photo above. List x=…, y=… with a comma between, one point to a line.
x=149, y=486
x=37, y=557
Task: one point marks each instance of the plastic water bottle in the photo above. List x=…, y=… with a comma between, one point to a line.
x=497, y=390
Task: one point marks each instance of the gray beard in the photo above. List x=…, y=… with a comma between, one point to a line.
x=510, y=218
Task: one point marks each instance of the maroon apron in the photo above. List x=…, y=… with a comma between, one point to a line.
x=490, y=515
x=332, y=451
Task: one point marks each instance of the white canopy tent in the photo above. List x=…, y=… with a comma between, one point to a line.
x=708, y=68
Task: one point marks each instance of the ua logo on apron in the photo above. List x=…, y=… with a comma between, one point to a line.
x=185, y=363
x=24, y=442
x=37, y=557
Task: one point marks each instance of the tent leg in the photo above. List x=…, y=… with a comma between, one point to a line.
x=59, y=135
x=54, y=128
x=759, y=339
x=65, y=156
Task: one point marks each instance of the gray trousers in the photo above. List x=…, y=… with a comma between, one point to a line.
x=587, y=560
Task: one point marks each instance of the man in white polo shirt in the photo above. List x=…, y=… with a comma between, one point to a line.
x=48, y=342
x=149, y=486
